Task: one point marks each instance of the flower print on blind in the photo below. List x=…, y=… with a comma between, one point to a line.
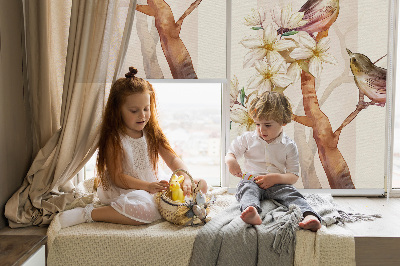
x=190, y=116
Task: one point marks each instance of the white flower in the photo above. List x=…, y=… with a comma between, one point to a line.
x=316, y=53
x=287, y=19
x=294, y=71
x=241, y=117
x=234, y=91
x=256, y=19
x=270, y=77
x=269, y=46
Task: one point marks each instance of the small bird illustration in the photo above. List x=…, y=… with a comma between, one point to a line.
x=320, y=14
x=369, y=78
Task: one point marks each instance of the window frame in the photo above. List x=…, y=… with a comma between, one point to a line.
x=388, y=190
x=393, y=78
x=225, y=121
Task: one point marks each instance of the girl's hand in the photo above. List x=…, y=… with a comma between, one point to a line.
x=265, y=181
x=187, y=186
x=157, y=186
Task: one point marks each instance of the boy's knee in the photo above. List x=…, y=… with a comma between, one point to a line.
x=247, y=187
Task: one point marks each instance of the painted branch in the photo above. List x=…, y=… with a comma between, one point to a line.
x=148, y=41
x=187, y=12
x=309, y=148
x=348, y=120
x=304, y=120
x=335, y=166
x=379, y=59
x=307, y=152
x=178, y=58
x=308, y=174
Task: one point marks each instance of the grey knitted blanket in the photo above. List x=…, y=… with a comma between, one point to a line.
x=227, y=240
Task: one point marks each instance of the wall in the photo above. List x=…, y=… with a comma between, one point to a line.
x=15, y=131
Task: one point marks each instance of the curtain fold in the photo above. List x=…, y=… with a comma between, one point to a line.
x=94, y=51
x=46, y=32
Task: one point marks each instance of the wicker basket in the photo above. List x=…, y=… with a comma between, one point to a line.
x=176, y=212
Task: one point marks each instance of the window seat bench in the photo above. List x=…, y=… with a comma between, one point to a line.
x=376, y=242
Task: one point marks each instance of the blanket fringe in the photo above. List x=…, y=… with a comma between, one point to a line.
x=332, y=213
x=286, y=233
x=350, y=217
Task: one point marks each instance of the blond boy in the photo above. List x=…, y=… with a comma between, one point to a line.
x=272, y=159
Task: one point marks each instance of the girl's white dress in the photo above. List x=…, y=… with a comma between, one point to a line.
x=138, y=205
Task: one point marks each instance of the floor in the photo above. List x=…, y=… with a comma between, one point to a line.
x=377, y=242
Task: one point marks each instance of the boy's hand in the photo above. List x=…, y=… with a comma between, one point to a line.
x=233, y=165
x=265, y=181
x=157, y=186
x=234, y=169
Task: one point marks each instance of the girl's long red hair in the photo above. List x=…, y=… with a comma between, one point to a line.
x=112, y=127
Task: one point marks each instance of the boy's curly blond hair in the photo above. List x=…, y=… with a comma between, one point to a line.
x=271, y=105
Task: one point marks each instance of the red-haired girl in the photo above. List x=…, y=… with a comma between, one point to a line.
x=131, y=142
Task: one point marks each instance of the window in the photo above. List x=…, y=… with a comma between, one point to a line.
x=90, y=167
x=190, y=116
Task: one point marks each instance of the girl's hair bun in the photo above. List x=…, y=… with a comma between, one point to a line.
x=132, y=72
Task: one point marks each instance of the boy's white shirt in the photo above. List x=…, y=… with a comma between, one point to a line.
x=280, y=156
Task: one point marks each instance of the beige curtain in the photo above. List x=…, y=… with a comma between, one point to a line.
x=96, y=47
x=46, y=35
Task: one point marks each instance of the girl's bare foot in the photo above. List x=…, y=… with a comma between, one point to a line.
x=310, y=222
x=251, y=216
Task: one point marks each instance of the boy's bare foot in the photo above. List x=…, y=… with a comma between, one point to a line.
x=310, y=222
x=250, y=216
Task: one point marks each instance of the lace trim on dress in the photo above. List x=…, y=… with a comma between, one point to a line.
x=136, y=161
x=139, y=146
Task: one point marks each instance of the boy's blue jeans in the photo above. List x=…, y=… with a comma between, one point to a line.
x=250, y=194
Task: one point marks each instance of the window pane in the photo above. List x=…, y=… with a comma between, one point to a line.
x=90, y=167
x=190, y=116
